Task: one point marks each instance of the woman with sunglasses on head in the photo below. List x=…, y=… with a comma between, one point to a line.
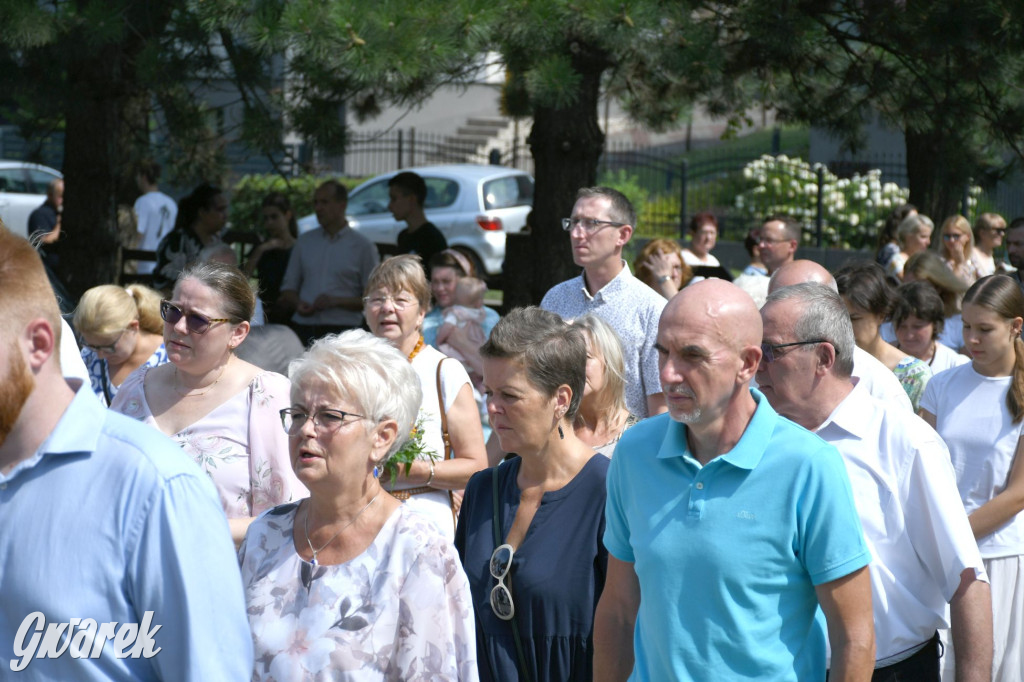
x=121, y=331
x=396, y=301
x=530, y=531
x=978, y=409
x=350, y=584
x=219, y=408
x=445, y=271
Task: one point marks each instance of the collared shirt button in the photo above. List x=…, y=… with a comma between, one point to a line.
x=700, y=486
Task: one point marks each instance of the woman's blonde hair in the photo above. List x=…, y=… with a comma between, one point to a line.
x=401, y=273
x=604, y=343
x=1002, y=295
x=911, y=225
x=109, y=309
x=666, y=246
x=928, y=266
x=961, y=225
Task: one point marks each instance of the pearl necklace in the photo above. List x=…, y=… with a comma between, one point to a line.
x=305, y=527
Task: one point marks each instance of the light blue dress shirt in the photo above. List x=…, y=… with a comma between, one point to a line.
x=107, y=521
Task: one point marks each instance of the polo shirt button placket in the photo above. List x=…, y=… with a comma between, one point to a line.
x=696, y=507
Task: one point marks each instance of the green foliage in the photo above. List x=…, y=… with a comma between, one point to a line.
x=248, y=193
x=412, y=450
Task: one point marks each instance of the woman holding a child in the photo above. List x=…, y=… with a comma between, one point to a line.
x=448, y=425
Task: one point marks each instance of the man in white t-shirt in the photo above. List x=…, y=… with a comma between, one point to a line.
x=924, y=555
x=154, y=210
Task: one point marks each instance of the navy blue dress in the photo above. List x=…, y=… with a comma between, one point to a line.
x=557, y=573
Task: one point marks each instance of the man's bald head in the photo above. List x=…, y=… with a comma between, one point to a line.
x=723, y=306
x=801, y=272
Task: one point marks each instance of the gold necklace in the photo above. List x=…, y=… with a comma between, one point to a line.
x=417, y=349
x=208, y=388
x=305, y=527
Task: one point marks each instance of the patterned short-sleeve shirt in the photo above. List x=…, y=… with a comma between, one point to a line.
x=632, y=309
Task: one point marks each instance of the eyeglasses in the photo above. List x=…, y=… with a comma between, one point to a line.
x=766, y=240
x=501, y=595
x=196, y=323
x=109, y=348
x=589, y=225
x=377, y=302
x=324, y=421
x=952, y=237
x=998, y=230
x=769, y=350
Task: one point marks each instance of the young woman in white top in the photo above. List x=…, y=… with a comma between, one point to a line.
x=978, y=409
x=957, y=246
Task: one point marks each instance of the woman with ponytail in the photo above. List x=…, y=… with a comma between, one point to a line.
x=978, y=409
x=120, y=330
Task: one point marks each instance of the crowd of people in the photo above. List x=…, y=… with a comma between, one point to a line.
x=359, y=471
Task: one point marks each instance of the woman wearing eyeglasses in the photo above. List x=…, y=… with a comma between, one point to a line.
x=396, y=301
x=222, y=410
x=121, y=330
x=530, y=531
x=350, y=584
x=957, y=248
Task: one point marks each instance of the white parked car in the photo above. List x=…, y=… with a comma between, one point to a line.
x=473, y=206
x=22, y=190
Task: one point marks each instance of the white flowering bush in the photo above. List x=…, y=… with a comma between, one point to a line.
x=854, y=208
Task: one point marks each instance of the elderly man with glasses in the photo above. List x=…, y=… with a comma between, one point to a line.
x=924, y=556
x=602, y=222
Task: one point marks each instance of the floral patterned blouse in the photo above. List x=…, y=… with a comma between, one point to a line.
x=99, y=372
x=401, y=610
x=240, y=443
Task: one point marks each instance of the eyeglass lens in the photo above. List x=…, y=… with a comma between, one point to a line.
x=195, y=322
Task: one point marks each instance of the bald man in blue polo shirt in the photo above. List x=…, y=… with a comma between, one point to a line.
x=727, y=525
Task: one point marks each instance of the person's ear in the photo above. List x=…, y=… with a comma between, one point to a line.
x=238, y=335
x=826, y=354
x=384, y=435
x=625, y=232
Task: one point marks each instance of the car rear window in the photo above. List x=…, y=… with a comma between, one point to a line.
x=514, y=190
x=440, y=192
x=13, y=180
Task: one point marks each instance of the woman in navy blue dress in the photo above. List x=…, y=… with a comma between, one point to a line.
x=530, y=531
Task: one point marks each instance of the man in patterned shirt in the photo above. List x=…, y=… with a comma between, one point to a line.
x=602, y=223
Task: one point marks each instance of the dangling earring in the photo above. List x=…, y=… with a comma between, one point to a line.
x=561, y=434
x=376, y=471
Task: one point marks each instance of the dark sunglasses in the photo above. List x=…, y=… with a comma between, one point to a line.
x=501, y=595
x=196, y=323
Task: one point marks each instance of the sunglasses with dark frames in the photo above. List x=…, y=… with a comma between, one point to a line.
x=196, y=323
x=501, y=595
x=769, y=351
x=108, y=348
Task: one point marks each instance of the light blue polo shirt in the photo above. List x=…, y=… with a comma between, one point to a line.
x=728, y=554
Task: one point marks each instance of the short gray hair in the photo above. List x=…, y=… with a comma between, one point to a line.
x=552, y=352
x=823, y=316
x=622, y=210
x=911, y=225
x=366, y=371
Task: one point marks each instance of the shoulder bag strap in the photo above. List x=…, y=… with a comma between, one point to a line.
x=448, y=454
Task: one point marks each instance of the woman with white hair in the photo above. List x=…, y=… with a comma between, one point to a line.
x=602, y=417
x=914, y=234
x=350, y=584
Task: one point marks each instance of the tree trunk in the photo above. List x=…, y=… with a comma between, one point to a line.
x=935, y=175
x=566, y=145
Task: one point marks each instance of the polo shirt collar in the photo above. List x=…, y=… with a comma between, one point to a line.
x=850, y=414
x=746, y=454
x=76, y=433
x=618, y=283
